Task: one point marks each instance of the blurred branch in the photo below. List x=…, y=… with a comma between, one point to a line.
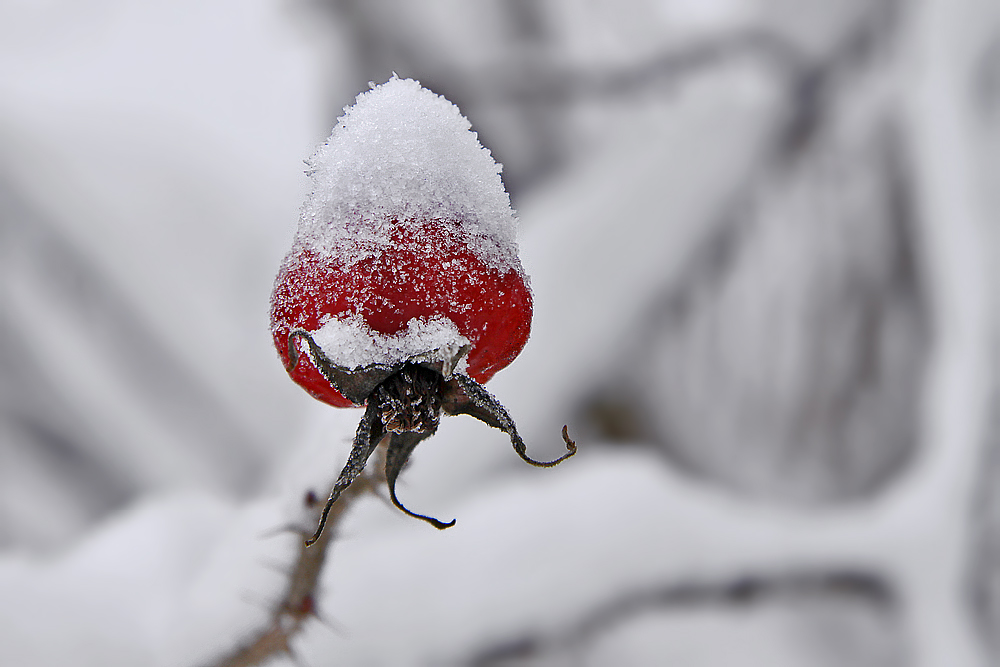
x=61, y=310
x=518, y=91
x=987, y=87
x=54, y=274
x=544, y=83
x=847, y=584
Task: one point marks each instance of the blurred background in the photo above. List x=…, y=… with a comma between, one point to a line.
x=761, y=232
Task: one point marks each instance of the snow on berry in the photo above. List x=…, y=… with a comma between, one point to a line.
x=402, y=155
x=403, y=290
x=351, y=343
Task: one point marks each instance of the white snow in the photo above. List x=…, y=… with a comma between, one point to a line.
x=183, y=577
x=399, y=155
x=349, y=342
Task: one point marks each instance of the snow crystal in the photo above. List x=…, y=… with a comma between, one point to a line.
x=399, y=155
x=350, y=343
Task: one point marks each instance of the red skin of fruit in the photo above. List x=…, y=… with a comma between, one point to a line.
x=427, y=271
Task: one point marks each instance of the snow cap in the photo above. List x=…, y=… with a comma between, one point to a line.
x=402, y=153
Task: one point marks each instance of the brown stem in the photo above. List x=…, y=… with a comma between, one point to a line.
x=297, y=603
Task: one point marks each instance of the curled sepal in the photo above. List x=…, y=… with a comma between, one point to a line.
x=370, y=433
x=355, y=385
x=401, y=445
x=464, y=396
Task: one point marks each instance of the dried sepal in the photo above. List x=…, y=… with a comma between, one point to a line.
x=369, y=435
x=401, y=445
x=356, y=385
x=465, y=396
x=406, y=407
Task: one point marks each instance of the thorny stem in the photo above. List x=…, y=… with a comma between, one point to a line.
x=298, y=602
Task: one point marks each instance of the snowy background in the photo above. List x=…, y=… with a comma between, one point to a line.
x=762, y=236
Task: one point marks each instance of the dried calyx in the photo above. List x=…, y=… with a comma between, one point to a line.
x=404, y=403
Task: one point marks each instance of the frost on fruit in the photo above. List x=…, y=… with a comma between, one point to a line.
x=403, y=291
x=402, y=154
x=350, y=343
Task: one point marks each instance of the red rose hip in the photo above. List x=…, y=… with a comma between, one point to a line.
x=403, y=291
x=426, y=273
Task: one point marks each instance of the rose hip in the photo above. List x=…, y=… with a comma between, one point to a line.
x=403, y=292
